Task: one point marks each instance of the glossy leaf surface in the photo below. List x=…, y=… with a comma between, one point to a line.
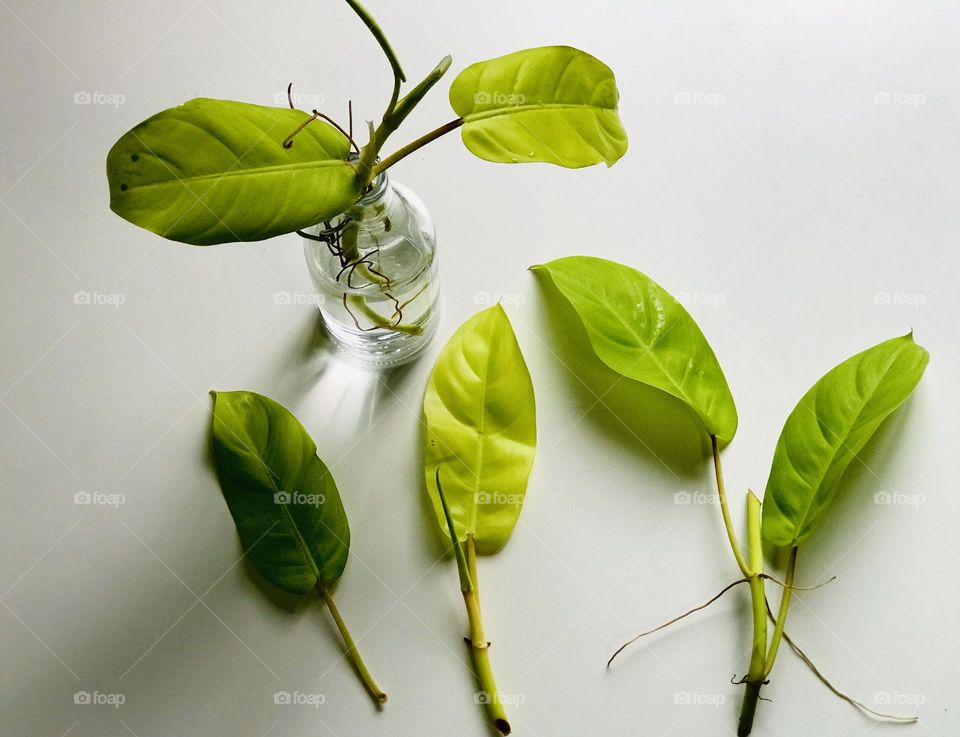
x=826, y=430
x=554, y=104
x=481, y=430
x=282, y=497
x=213, y=171
x=640, y=331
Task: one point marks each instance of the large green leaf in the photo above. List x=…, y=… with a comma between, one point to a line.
x=827, y=429
x=213, y=171
x=481, y=425
x=554, y=104
x=640, y=331
x=283, y=499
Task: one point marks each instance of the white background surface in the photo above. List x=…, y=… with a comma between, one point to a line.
x=783, y=198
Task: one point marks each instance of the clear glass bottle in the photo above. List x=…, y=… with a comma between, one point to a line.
x=374, y=268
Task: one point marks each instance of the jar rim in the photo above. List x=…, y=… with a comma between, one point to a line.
x=377, y=187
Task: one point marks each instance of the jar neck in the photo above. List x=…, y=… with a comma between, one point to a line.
x=376, y=192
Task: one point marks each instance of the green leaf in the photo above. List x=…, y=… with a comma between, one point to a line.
x=213, y=171
x=481, y=425
x=826, y=430
x=640, y=331
x=283, y=499
x=554, y=104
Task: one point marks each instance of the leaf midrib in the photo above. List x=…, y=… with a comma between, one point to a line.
x=277, y=168
x=481, y=430
x=296, y=534
x=486, y=114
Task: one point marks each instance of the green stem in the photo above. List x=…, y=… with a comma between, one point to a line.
x=378, y=34
x=725, y=511
x=352, y=653
x=480, y=648
x=756, y=673
x=414, y=145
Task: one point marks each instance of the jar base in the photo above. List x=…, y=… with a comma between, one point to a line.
x=381, y=348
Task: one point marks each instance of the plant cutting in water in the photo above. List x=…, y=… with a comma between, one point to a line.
x=640, y=331
x=215, y=171
x=284, y=502
x=481, y=435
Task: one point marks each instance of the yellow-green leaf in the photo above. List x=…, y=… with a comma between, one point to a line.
x=213, y=171
x=640, y=331
x=481, y=431
x=826, y=430
x=554, y=104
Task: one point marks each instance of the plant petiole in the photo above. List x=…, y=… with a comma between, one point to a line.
x=725, y=511
x=782, y=613
x=414, y=145
x=378, y=34
x=352, y=653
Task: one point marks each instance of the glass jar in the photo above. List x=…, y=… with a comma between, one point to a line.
x=374, y=268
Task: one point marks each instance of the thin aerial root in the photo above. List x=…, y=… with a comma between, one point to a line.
x=833, y=689
x=288, y=141
x=724, y=590
x=336, y=125
x=781, y=584
x=350, y=119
